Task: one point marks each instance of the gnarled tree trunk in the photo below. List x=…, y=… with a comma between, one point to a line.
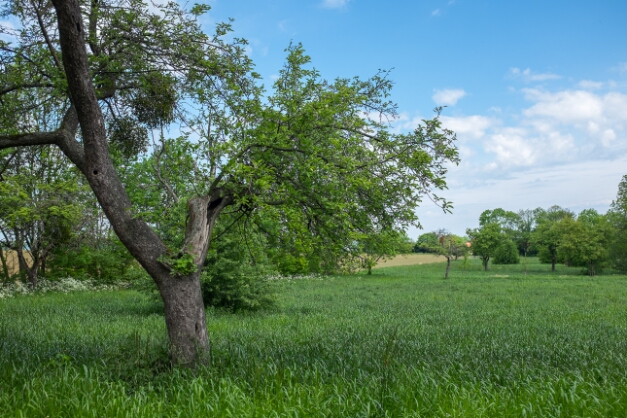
x=184, y=308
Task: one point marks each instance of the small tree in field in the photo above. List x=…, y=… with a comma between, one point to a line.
x=448, y=245
x=485, y=241
x=306, y=153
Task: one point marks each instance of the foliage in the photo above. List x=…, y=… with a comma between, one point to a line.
x=40, y=205
x=425, y=242
x=617, y=216
x=506, y=253
x=485, y=241
x=313, y=153
x=586, y=242
x=236, y=270
x=552, y=226
x=104, y=260
x=382, y=245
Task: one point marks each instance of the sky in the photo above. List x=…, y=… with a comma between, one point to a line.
x=535, y=90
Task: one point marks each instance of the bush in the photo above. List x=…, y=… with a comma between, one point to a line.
x=237, y=290
x=234, y=276
x=506, y=253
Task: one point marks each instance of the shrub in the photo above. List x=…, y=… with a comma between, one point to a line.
x=506, y=253
x=234, y=276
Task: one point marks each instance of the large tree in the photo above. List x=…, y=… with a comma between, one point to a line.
x=311, y=153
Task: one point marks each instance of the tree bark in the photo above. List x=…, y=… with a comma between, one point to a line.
x=185, y=318
x=448, y=267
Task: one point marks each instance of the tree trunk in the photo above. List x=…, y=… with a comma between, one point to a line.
x=485, y=264
x=185, y=318
x=448, y=267
x=31, y=273
x=5, y=267
x=553, y=261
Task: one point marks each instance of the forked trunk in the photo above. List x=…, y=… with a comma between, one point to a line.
x=181, y=293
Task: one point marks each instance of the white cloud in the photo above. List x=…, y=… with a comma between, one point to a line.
x=579, y=110
x=448, y=97
x=467, y=127
x=436, y=12
x=334, y=4
x=590, y=85
x=564, y=106
x=518, y=147
x=527, y=75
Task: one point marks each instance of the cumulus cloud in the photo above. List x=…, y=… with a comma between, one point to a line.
x=518, y=147
x=334, y=4
x=468, y=127
x=448, y=97
x=527, y=75
x=564, y=106
x=602, y=117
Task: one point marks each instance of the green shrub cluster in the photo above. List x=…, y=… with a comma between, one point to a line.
x=506, y=253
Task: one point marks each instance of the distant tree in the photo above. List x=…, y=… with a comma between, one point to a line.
x=385, y=244
x=617, y=217
x=525, y=225
x=506, y=253
x=485, y=241
x=444, y=243
x=549, y=234
x=585, y=241
x=425, y=242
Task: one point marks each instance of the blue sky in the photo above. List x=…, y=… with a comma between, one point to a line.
x=536, y=90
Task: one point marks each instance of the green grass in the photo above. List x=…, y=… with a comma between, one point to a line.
x=402, y=342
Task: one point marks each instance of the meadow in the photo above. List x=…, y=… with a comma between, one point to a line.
x=514, y=341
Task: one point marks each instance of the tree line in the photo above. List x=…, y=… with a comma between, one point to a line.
x=589, y=239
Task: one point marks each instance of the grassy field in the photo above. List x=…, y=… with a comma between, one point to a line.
x=515, y=341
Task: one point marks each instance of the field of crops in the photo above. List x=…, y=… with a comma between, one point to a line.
x=514, y=341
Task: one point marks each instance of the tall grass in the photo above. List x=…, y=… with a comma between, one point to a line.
x=401, y=343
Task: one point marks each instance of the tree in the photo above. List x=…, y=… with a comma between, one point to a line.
x=485, y=241
x=40, y=207
x=445, y=244
x=585, y=241
x=306, y=152
x=617, y=216
x=552, y=225
x=381, y=245
x=425, y=242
